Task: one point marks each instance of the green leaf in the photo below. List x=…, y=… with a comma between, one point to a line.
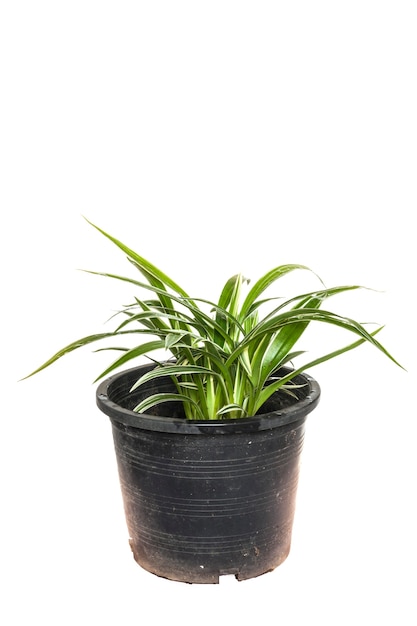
x=228, y=291
x=283, y=341
x=270, y=389
x=145, y=348
x=173, y=370
x=143, y=264
x=69, y=348
x=264, y=282
x=159, y=398
x=231, y=408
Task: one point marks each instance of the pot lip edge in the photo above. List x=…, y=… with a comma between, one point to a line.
x=266, y=421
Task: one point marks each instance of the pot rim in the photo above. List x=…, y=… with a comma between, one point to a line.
x=145, y=421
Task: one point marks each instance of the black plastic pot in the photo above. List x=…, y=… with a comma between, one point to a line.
x=203, y=499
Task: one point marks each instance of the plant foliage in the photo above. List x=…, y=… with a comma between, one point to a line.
x=226, y=355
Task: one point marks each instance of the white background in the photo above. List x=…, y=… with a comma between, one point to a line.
x=212, y=137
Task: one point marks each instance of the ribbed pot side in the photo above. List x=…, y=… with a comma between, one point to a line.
x=204, y=499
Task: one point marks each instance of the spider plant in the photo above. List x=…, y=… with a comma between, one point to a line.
x=226, y=355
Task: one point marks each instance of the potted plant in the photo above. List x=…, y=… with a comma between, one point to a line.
x=208, y=440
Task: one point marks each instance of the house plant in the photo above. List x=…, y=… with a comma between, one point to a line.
x=208, y=439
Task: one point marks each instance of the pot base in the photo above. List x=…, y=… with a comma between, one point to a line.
x=176, y=570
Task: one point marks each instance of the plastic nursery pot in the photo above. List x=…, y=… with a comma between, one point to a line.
x=208, y=498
